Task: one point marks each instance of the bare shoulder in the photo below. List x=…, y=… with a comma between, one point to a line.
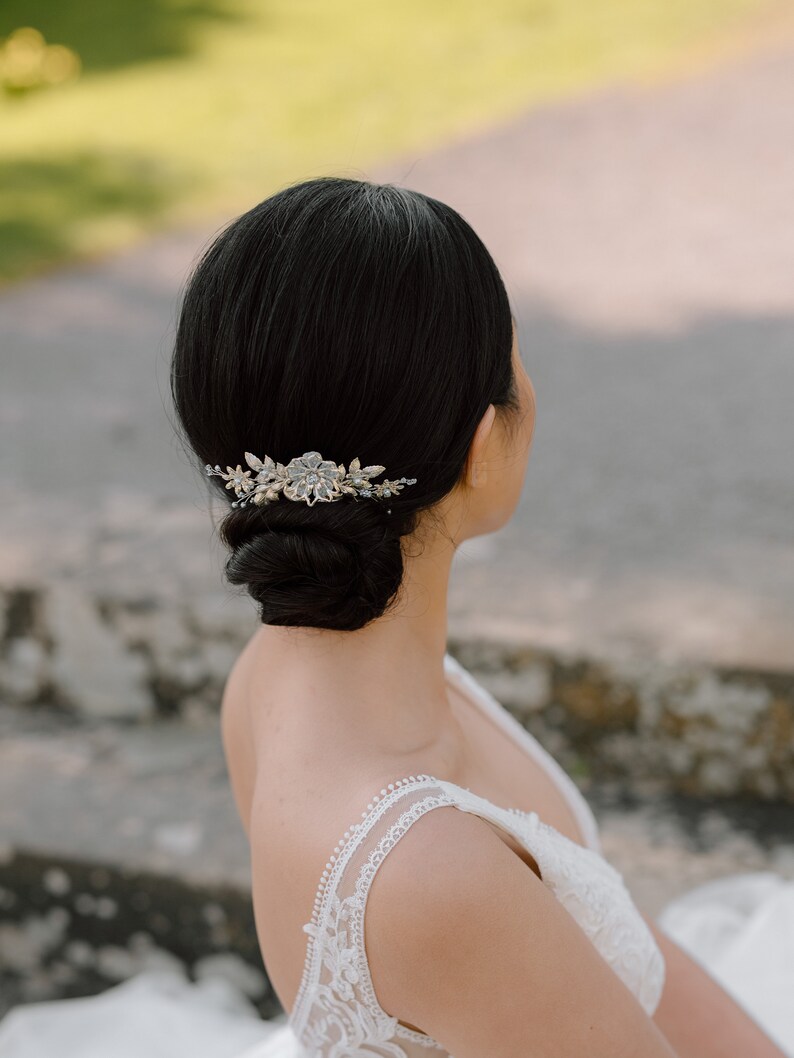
x=465, y=942
x=236, y=733
x=236, y=679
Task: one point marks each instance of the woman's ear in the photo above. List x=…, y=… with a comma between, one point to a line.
x=476, y=461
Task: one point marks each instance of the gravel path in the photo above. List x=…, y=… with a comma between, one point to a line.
x=646, y=238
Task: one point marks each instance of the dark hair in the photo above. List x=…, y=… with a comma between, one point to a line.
x=354, y=319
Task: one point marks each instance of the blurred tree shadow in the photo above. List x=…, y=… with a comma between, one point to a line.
x=52, y=208
x=108, y=34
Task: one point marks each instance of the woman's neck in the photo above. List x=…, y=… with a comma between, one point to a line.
x=394, y=666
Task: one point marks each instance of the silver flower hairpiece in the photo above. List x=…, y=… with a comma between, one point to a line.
x=308, y=477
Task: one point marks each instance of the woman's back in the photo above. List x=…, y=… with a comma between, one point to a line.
x=285, y=775
x=297, y=792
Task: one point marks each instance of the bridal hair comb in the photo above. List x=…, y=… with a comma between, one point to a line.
x=309, y=478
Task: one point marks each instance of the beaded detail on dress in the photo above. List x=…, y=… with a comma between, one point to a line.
x=336, y=1013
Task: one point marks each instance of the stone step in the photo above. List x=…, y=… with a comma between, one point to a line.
x=700, y=729
x=131, y=854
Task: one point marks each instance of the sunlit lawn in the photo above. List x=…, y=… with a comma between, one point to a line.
x=191, y=108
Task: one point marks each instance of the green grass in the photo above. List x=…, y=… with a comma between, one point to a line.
x=191, y=108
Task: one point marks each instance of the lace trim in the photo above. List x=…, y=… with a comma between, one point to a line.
x=334, y=867
x=599, y=900
x=364, y=880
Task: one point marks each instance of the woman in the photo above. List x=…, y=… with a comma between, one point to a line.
x=347, y=370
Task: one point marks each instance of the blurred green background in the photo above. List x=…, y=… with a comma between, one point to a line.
x=167, y=111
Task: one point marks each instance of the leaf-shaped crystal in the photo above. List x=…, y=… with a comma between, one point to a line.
x=372, y=471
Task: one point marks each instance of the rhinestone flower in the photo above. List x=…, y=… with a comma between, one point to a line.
x=312, y=478
x=237, y=477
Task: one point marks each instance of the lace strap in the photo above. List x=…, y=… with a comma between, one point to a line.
x=336, y=1010
x=336, y=998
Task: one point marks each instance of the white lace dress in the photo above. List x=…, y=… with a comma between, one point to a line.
x=740, y=928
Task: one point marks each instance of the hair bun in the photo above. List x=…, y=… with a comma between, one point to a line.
x=334, y=565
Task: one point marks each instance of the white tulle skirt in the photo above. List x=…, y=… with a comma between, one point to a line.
x=741, y=928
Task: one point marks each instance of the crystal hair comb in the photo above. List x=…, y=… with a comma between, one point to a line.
x=309, y=478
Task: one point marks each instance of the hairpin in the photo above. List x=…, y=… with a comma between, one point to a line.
x=309, y=478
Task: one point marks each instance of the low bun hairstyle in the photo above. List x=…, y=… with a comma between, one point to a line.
x=354, y=319
x=332, y=565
